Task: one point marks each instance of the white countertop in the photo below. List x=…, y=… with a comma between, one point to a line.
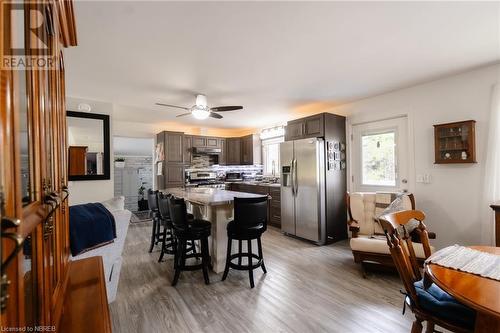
x=208, y=196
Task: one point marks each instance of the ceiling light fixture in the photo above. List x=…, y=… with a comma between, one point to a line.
x=200, y=112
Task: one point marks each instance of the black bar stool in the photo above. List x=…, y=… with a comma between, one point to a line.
x=186, y=231
x=250, y=222
x=155, y=216
x=168, y=244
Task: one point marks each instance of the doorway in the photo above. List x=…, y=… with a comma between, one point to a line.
x=133, y=170
x=380, y=155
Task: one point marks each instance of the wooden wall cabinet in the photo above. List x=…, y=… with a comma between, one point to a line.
x=174, y=147
x=309, y=127
x=177, y=153
x=178, y=149
x=199, y=141
x=213, y=142
x=233, y=151
x=188, y=149
x=251, y=150
x=455, y=142
x=222, y=156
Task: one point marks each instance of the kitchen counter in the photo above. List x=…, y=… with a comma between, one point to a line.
x=208, y=196
x=256, y=183
x=216, y=206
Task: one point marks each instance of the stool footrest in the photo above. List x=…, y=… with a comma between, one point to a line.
x=244, y=267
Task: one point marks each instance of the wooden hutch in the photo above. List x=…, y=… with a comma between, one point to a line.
x=37, y=282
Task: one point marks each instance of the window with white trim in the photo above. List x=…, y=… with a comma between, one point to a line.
x=378, y=159
x=271, y=139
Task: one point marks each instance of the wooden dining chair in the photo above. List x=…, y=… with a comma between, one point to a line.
x=428, y=303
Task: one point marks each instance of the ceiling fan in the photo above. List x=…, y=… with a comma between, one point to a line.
x=201, y=110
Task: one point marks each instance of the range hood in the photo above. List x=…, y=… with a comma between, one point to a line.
x=207, y=151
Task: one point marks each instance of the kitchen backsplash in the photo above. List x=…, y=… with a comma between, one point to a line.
x=202, y=163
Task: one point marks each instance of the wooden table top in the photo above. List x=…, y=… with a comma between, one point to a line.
x=480, y=293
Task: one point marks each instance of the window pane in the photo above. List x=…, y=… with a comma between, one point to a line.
x=378, y=159
x=271, y=154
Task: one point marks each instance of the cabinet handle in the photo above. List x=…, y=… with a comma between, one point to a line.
x=10, y=222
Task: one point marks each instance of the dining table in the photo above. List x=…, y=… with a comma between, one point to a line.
x=479, y=293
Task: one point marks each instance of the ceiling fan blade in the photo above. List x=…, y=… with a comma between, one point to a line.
x=173, y=106
x=226, y=108
x=182, y=115
x=215, y=115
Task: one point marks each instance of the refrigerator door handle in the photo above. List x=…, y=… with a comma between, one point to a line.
x=295, y=179
x=292, y=171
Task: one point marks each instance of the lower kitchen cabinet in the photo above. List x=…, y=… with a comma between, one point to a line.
x=274, y=207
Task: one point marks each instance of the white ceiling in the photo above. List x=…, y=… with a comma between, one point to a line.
x=270, y=57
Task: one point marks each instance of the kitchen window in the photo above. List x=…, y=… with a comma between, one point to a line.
x=271, y=139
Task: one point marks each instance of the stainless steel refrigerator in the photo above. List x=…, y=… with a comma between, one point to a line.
x=303, y=197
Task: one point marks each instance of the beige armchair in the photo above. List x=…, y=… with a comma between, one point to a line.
x=368, y=242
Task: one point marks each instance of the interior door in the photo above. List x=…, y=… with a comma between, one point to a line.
x=307, y=188
x=380, y=156
x=287, y=196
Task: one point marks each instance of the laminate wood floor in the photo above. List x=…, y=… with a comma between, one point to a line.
x=307, y=289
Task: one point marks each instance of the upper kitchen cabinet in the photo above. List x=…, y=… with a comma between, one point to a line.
x=199, y=141
x=206, y=142
x=251, y=150
x=309, y=127
x=174, y=147
x=222, y=156
x=188, y=149
x=213, y=142
x=233, y=151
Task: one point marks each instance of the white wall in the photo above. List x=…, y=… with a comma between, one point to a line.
x=452, y=201
x=83, y=191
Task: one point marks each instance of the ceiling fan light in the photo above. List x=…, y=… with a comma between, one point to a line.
x=201, y=100
x=200, y=113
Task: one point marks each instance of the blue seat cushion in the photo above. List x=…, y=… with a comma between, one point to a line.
x=442, y=305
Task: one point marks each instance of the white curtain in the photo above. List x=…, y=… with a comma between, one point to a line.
x=491, y=184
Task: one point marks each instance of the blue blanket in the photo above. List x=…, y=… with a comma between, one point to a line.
x=90, y=226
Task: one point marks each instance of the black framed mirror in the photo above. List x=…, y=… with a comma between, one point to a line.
x=88, y=146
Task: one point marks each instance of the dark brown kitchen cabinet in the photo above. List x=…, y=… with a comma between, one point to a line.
x=188, y=149
x=213, y=142
x=199, y=141
x=170, y=170
x=314, y=126
x=274, y=204
x=222, y=156
x=233, y=151
x=251, y=150
x=309, y=127
x=174, y=147
x=174, y=175
x=294, y=130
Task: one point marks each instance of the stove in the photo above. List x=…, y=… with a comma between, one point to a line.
x=206, y=179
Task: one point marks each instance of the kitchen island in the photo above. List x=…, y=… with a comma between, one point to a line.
x=215, y=206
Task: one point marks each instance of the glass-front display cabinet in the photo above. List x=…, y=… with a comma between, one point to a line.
x=455, y=142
